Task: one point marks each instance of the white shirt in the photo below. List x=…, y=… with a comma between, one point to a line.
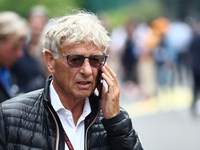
x=75, y=133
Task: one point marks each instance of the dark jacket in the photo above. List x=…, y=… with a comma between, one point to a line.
x=3, y=94
x=195, y=54
x=29, y=122
x=28, y=73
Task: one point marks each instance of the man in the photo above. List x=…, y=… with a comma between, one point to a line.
x=13, y=31
x=67, y=114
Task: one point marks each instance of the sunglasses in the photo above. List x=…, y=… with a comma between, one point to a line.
x=77, y=60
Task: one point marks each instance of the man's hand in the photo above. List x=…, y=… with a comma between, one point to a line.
x=110, y=98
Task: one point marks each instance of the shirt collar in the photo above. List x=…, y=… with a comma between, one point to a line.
x=55, y=100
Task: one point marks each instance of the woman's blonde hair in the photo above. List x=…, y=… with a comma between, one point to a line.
x=74, y=29
x=13, y=24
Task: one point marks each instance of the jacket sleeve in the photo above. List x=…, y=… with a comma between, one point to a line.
x=2, y=131
x=121, y=134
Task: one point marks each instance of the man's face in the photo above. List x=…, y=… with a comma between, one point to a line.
x=10, y=51
x=76, y=83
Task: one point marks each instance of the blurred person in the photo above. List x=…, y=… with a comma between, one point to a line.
x=67, y=114
x=143, y=69
x=147, y=69
x=113, y=60
x=158, y=56
x=31, y=79
x=13, y=33
x=194, y=50
x=118, y=38
x=129, y=58
x=139, y=37
x=123, y=57
x=178, y=37
x=164, y=55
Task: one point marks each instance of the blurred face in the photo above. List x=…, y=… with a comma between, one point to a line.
x=75, y=83
x=37, y=24
x=10, y=51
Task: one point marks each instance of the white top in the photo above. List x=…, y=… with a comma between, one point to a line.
x=75, y=133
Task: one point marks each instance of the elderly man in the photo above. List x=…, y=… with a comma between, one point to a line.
x=67, y=114
x=13, y=32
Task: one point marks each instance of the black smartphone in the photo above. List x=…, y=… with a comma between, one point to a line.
x=100, y=86
x=101, y=80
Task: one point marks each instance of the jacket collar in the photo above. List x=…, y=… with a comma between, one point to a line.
x=46, y=93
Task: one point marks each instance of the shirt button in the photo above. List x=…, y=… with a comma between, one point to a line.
x=66, y=113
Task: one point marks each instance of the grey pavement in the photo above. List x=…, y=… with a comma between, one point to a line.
x=165, y=122
x=177, y=130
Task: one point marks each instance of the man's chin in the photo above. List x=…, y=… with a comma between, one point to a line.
x=83, y=95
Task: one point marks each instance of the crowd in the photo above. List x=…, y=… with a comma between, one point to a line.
x=154, y=56
x=146, y=55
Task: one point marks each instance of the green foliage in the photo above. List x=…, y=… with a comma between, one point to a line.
x=143, y=10
x=55, y=7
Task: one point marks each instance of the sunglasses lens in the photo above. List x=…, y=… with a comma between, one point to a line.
x=75, y=60
x=96, y=61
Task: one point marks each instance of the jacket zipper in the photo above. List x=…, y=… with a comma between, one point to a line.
x=57, y=129
x=91, y=125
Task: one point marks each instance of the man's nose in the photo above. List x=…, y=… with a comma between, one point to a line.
x=86, y=67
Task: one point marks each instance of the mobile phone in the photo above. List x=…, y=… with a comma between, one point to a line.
x=100, y=86
x=101, y=81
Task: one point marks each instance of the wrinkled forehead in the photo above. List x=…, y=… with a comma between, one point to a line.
x=87, y=44
x=80, y=44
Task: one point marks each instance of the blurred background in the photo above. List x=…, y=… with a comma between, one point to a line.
x=155, y=52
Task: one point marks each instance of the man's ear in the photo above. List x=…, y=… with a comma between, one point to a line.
x=49, y=60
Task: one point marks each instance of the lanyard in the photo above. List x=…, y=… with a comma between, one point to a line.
x=69, y=144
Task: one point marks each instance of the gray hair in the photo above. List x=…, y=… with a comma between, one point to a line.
x=12, y=24
x=74, y=29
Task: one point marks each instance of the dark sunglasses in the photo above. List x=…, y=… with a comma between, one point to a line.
x=76, y=60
